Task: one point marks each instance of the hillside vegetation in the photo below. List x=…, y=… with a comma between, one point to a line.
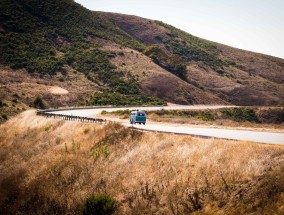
x=237, y=117
x=236, y=76
x=120, y=59
x=52, y=166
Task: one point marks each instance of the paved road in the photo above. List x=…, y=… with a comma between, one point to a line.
x=95, y=111
x=254, y=136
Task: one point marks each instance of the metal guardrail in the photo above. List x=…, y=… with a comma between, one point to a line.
x=93, y=107
x=46, y=112
x=70, y=117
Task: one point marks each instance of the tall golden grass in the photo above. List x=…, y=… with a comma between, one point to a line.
x=50, y=166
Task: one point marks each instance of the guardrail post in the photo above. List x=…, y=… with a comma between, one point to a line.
x=70, y=117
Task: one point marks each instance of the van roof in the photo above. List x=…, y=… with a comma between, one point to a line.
x=139, y=111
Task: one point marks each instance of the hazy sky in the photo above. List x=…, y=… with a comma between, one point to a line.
x=255, y=25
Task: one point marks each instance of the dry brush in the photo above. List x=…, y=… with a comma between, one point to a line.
x=50, y=166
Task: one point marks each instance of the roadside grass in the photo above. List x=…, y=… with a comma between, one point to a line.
x=237, y=114
x=255, y=117
x=51, y=166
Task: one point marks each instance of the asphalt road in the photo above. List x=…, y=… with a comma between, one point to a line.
x=96, y=111
x=254, y=136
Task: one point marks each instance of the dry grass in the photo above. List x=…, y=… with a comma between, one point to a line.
x=18, y=89
x=50, y=166
x=270, y=119
x=154, y=80
x=256, y=64
x=256, y=79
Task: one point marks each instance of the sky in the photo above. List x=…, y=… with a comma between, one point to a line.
x=254, y=25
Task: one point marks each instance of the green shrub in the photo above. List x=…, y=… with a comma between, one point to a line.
x=99, y=205
x=16, y=95
x=206, y=116
x=34, y=29
x=240, y=114
x=14, y=100
x=38, y=103
x=4, y=116
x=203, y=115
x=123, y=112
x=172, y=63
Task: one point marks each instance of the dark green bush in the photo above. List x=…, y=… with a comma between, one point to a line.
x=4, y=116
x=32, y=30
x=99, y=205
x=240, y=114
x=172, y=63
x=206, y=116
x=122, y=112
x=14, y=100
x=38, y=103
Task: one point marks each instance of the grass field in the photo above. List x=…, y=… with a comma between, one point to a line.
x=51, y=166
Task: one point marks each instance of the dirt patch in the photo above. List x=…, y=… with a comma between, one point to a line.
x=18, y=90
x=58, y=91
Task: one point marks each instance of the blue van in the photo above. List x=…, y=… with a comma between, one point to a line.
x=137, y=117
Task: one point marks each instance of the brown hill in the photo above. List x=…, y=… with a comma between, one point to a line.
x=251, y=78
x=98, y=58
x=155, y=80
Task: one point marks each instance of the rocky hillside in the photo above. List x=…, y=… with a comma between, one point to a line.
x=60, y=53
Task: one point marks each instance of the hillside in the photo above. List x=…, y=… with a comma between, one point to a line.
x=236, y=76
x=50, y=166
x=100, y=58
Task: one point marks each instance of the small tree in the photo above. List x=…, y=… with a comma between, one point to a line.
x=38, y=103
x=98, y=205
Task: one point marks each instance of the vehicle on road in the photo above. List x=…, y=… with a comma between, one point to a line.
x=137, y=117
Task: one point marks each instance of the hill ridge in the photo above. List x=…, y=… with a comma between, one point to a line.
x=54, y=40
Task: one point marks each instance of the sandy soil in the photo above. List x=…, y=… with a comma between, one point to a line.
x=58, y=91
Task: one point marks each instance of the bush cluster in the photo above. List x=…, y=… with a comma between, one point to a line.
x=34, y=29
x=192, y=48
x=38, y=103
x=235, y=114
x=172, y=63
x=99, y=205
x=240, y=114
x=206, y=115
